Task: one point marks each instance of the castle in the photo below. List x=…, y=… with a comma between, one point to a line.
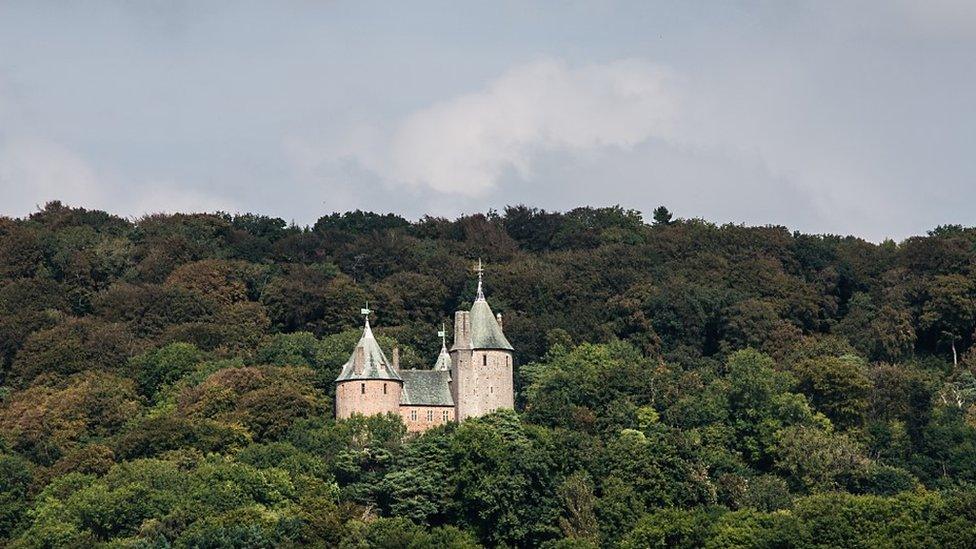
x=471, y=379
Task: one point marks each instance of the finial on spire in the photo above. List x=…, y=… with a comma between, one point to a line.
x=481, y=271
x=366, y=311
x=443, y=335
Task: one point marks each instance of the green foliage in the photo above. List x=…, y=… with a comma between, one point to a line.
x=672, y=528
x=167, y=382
x=504, y=482
x=77, y=345
x=15, y=481
x=837, y=386
x=662, y=216
x=164, y=366
x=44, y=422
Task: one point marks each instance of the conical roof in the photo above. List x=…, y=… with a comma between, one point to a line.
x=443, y=360
x=368, y=361
x=486, y=333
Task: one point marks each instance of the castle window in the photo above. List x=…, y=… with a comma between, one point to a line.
x=447, y=416
x=384, y=388
x=430, y=415
x=491, y=390
x=413, y=415
x=362, y=388
x=484, y=360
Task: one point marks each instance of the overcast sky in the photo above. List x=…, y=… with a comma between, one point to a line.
x=856, y=117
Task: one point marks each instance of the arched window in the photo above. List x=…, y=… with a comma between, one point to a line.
x=362, y=388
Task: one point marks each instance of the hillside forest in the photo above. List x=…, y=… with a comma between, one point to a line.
x=167, y=382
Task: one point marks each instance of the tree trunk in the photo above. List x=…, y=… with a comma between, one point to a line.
x=955, y=357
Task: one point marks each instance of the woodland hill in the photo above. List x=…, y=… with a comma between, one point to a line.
x=168, y=382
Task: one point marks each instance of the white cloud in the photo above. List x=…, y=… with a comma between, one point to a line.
x=624, y=121
x=467, y=144
x=36, y=171
x=160, y=197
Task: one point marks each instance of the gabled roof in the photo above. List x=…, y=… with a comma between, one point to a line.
x=426, y=388
x=485, y=331
x=373, y=363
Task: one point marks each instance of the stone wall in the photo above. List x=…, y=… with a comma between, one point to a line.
x=421, y=418
x=367, y=397
x=483, y=382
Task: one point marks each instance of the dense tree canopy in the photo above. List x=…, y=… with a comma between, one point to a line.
x=167, y=381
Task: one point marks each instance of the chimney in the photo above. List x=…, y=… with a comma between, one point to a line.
x=462, y=330
x=396, y=359
x=359, y=360
x=498, y=317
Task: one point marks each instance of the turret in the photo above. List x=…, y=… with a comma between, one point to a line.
x=444, y=358
x=482, y=370
x=368, y=383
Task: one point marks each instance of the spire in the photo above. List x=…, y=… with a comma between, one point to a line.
x=483, y=329
x=481, y=271
x=443, y=359
x=367, y=360
x=366, y=311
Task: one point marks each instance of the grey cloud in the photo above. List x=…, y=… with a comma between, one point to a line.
x=824, y=116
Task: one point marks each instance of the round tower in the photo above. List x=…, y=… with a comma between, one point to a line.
x=368, y=383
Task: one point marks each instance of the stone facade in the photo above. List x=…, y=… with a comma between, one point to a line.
x=483, y=382
x=482, y=379
x=474, y=378
x=367, y=397
x=420, y=418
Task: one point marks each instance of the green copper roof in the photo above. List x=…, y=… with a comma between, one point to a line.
x=374, y=364
x=426, y=388
x=485, y=331
x=443, y=360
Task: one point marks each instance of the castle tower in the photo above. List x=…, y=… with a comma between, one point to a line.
x=368, y=383
x=481, y=360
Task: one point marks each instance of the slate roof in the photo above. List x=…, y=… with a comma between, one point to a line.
x=375, y=365
x=485, y=331
x=426, y=388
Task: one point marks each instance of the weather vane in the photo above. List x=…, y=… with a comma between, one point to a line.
x=443, y=335
x=365, y=311
x=480, y=269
